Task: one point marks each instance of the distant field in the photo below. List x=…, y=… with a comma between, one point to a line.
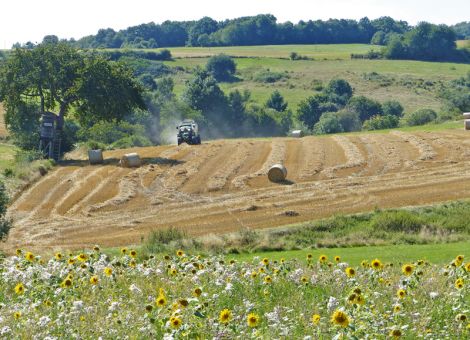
x=7, y=153
x=463, y=43
x=341, y=51
x=413, y=83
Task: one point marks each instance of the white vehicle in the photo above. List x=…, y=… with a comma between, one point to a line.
x=188, y=132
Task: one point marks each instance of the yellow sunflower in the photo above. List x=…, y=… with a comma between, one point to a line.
x=401, y=293
x=407, y=269
x=29, y=256
x=315, y=319
x=350, y=272
x=225, y=316
x=376, y=264
x=340, y=318
x=395, y=333
x=322, y=258
x=459, y=283
x=19, y=289
x=94, y=280
x=108, y=271
x=175, y=322
x=252, y=320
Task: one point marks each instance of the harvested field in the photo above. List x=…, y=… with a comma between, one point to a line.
x=221, y=186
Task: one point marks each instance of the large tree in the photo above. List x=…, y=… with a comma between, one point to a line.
x=59, y=78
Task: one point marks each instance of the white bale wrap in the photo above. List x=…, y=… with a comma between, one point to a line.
x=466, y=115
x=297, y=134
x=277, y=173
x=95, y=156
x=467, y=124
x=131, y=160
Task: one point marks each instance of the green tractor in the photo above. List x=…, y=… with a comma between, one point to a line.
x=188, y=132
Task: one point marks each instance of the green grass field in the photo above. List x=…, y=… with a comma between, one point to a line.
x=434, y=253
x=339, y=51
x=7, y=155
x=415, y=84
x=463, y=43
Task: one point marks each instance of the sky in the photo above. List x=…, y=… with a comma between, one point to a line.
x=31, y=20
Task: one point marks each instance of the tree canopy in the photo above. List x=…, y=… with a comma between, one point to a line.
x=57, y=77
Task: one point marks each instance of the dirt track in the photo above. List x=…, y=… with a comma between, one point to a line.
x=221, y=186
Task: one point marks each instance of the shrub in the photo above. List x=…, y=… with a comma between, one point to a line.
x=393, y=108
x=381, y=122
x=131, y=141
x=397, y=221
x=159, y=240
x=221, y=67
x=365, y=107
x=27, y=156
x=5, y=224
x=339, y=91
x=328, y=123
x=421, y=117
x=267, y=76
x=349, y=120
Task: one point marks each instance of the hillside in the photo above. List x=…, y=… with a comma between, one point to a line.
x=221, y=186
x=3, y=130
x=415, y=84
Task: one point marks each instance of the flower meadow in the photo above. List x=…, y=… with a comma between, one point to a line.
x=92, y=295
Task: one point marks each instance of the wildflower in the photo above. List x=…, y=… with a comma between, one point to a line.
x=395, y=333
x=461, y=318
x=304, y=279
x=82, y=257
x=315, y=319
x=29, y=256
x=337, y=259
x=376, y=264
x=161, y=301
x=397, y=309
x=175, y=322
x=179, y=253
x=340, y=318
x=47, y=303
x=225, y=316
x=467, y=267
x=252, y=320
x=309, y=257
x=94, y=280
x=407, y=269
x=459, y=260
x=360, y=300
x=364, y=264
x=283, y=260
x=183, y=302
x=108, y=271
x=322, y=258
x=197, y=292
x=133, y=253
x=71, y=261
x=67, y=283
x=17, y=315
x=19, y=252
x=268, y=279
x=58, y=256
x=148, y=308
x=420, y=262
x=96, y=248
x=401, y=293
x=265, y=261
x=19, y=289
x=124, y=251
x=254, y=275
x=350, y=272
x=173, y=272
x=132, y=263
x=459, y=283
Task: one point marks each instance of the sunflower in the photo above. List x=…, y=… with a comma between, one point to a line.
x=407, y=269
x=350, y=272
x=71, y=261
x=48, y=303
x=19, y=289
x=148, y=308
x=401, y=293
x=108, y=271
x=459, y=259
x=420, y=262
x=467, y=267
x=340, y=318
x=309, y=257
x=175, y=322
x=283, y=260
x=360, y=300
x=395, y=333
x=304, y=279
x=58, y=256
x=265, y=261
x=254, y=275
x=132, y=263
x=315, y=319
x=225, y=316
x=29, y=256
x=124, y=251
x=252, y=320
x=173, y=272
x=19, y=252
x=322, y=258
x=337, y=259
x=82, y=257
x=96, y=248
x=376, y=264
x=67, y=283
x=459, y=283
x=268, y=279
x=397, y=309
x=179, y=253
x=133, y=253
x=183, y=303
x=364, y=264
x=94, y=280
x=197, y=292
x=17, y=315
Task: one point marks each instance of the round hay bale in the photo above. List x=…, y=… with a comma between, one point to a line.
x=467, y=124
x=297, y=134
x=131, y=160
x=466, y=115
x=277, y=173
x=95, y=156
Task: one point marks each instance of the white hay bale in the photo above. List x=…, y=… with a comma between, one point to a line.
x=297, y=134
x=467, y=124
x=131, y=160
x=277, y=173
x=95, y=156
x=466, y=115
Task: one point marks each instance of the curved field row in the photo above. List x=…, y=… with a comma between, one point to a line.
x=222, y=186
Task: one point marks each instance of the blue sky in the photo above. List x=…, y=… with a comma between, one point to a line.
x=23, y=20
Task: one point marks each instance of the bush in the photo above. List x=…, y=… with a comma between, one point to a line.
x=421, y=117
x=28, y=156
x=339, y=91
x=381, y=123
x=131, y=141
x=159, y=240
x=349, y=120
x=393, y=108
x=365, y=107
x=221, y=67
x=328, y=123
x=5, y=224
x=267, y=76
x=397, y=221
x=108, y=133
